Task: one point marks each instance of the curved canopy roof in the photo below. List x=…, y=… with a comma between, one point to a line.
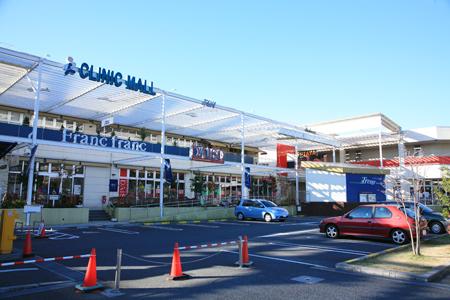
x=70, y=95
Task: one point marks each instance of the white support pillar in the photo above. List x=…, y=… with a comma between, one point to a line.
x=244, y=190
x=404, y=186
x=32, y=162
x=297, y=196
x=334, y=154
x=380, y=148
x=163, y=145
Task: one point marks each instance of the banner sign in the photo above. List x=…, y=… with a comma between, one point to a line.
x=123, y=187
x=201, y=153
x=168, y=176
x=247, y=177
x=113, y=185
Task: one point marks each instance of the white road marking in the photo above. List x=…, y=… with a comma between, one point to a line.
x=289, y=233
x=300, y=224
x=233, y=224
x=200, y=225
x=89, y=232
x=63, y=236
x=281, y=259
x=19, y=270
x=325, y=249
x=165, y=228
x=119, y=230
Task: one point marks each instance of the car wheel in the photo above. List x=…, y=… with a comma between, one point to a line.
x=240, y=216
x=267, y=217
x=436, y=228
x=332, y=231
x=398, y=236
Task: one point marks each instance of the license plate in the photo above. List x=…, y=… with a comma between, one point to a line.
x=424, y=232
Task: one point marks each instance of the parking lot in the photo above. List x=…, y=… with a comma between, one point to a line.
x=291, y=260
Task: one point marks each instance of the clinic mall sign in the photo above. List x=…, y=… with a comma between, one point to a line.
x=107, y=76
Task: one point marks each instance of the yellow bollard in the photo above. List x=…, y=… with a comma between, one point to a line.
x=7, y=231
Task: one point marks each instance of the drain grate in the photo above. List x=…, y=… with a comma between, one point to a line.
x=307, y=279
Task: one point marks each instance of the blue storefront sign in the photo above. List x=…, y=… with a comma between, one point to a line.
x=97, y=141
x=365, y=187
x=113, y=185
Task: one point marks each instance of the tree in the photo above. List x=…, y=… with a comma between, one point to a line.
x=414, y=228
x=198, y=184
x=443, y=193
x=26, y=121
x=143, y=133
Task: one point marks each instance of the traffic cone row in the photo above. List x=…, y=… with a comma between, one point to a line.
x=176, y=271
x=90, y=278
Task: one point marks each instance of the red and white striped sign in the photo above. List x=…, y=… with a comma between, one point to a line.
x=208, y=245
x=39, y=260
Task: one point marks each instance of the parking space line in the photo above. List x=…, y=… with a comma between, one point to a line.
x=229, y=223
x=290, y=233
x=119, y=230
x=166, y=228
x=18, y=270
x=200, y=225
x=62, y=236
x=300, y=224
x=325, y=249
x=281, y=259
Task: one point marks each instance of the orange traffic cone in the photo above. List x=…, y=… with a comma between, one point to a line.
x=42, y=234
x=244, y=260
x=176, y=272
x=90, y=278
x=27, y=252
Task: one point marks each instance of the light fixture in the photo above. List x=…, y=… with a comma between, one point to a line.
x=31, y=90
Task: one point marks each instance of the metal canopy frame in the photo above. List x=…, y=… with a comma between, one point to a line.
x=70, y=95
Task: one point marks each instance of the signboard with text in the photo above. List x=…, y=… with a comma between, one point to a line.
x=202, y=153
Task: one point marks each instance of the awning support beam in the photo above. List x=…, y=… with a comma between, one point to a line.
x=163, y=146
x=34, y=141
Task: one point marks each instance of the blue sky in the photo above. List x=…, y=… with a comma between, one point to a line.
x=296, y=61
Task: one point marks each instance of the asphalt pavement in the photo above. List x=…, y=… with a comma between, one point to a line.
x=291, y=260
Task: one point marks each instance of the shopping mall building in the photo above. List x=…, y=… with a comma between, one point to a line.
x=103, y=136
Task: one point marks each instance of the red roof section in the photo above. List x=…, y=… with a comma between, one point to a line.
x=409, y=160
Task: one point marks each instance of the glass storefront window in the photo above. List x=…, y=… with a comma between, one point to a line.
x=55, y=167
x=66, y=186
x=55, y=183
x=15, y=117
x=141, y=174
x=79, y=169
x=132, y=173
x=43, y=167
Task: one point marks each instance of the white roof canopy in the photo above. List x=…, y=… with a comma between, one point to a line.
x=86, y=99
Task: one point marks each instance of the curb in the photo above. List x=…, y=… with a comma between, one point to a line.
x=186, y=222
x=433, y=275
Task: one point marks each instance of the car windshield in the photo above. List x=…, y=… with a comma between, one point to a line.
x=268, y=203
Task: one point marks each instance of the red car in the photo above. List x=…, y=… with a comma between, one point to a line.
x=380, y=220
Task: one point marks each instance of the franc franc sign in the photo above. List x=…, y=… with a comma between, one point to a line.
x=202, y=153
